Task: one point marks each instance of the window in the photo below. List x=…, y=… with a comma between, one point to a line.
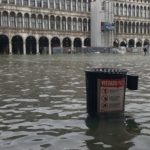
x=40, y=22
x=11, y=1
x=19, y=2
x=19, y=21
x=63, y=24
x=12, y=20
x=84, y=5
x=57, y=4
x=46, y=24
x=74, y=24
x=51, y=4
x=58, y=23
x=79, y=5
x=32, y=3
x=39, y=3
x=52, y=22
x=79, y=25
x=5, y=19
x=25, y=2
x=45, y=3
x=69, y=24
x=26, y=21
x=4, y=1
x=74, y=5
x=33, y=21
x=63, y=4
x=68, y=5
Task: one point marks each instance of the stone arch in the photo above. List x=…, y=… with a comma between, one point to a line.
x=4, y=44
x=87, y=42
x=139, y=43
x=31, y=45
x=116, y=43
x=146, y=42
x=77, y=42
x=131, y=43
x=43, y=45
x=17, y=45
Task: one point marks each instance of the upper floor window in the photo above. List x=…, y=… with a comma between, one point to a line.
x=32, y=3
x=84, y=5
x=25, y=2
x=45, y=3
x=63, y=4
x=68, y=5
x=74, y=5
x=11, y=1
x=4, y=1
x=51, y=2
x=39, y=3
x=79, y=5
x=57, y=4
x=19, y=2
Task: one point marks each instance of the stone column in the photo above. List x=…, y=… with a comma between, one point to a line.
x=50, y=49
x=37, y=47
x=10, y=46
x=24, y=46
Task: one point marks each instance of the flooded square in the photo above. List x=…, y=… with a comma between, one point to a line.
x=43, y=104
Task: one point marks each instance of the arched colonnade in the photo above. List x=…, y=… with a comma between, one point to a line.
x=33, y=45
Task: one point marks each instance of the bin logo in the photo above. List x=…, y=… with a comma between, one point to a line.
x=110, y=95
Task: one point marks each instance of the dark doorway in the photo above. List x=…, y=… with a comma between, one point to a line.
x=17, y=45
x=43, y=45
x=31, y=45
x=4, y=44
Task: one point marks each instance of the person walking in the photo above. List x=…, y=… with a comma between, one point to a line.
x=145, y=50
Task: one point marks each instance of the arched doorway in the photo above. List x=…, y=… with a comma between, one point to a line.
x=67, y=44
x=30, y=45
x=146, y=42
x=87, y=42
x=116, y=43
x=4, y=44
x=17, y=45
x=55, y=43
x=123, y=44
x=131, y=43
x=77, y=42
x=139, y=43
x=43, y=45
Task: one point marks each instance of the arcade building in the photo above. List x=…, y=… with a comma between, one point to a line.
x=39, y=26
x=42, y=26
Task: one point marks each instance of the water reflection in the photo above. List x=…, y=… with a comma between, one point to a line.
x=111, y=134
x=43, y=104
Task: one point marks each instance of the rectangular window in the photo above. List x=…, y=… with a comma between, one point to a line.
x=39, y=3
x=45, y=3
x=32, y=3
x=51, y=4
x=19, y=2
x=12, y=2
x=57, y=4
x=4, y=1
x=68, y=5
x=25, y=2
x=63, y=4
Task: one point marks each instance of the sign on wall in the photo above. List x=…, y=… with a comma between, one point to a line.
x=107, y=26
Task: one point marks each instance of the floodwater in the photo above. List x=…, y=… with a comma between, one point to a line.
x=43, y=104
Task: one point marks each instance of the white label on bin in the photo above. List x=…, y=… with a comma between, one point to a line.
x=110, y=95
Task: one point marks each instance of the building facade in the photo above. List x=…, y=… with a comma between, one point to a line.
x=40, y=26
x=128, y=24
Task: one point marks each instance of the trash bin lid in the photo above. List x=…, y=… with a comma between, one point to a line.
x=107, y=70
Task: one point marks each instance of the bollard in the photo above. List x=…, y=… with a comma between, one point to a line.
x=105, y=89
